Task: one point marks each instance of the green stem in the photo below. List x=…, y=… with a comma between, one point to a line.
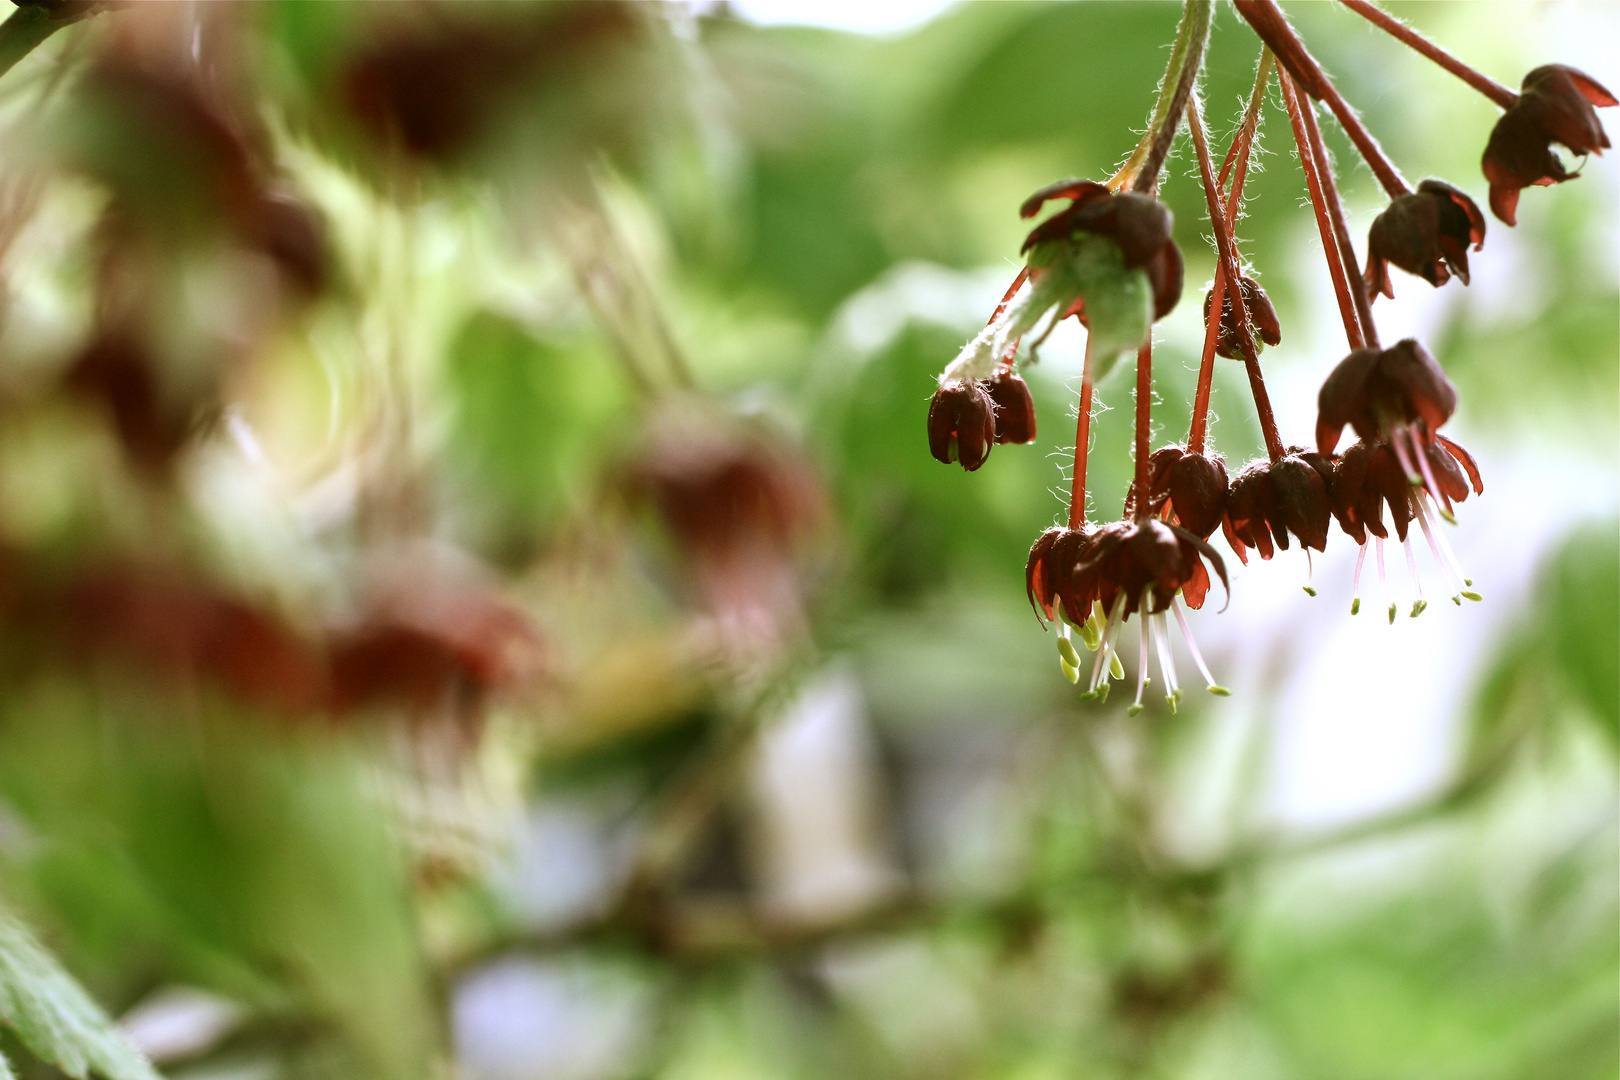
x=27, y=27
x=1186, y=60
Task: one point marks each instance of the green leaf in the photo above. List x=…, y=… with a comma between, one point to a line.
x=54, y=1017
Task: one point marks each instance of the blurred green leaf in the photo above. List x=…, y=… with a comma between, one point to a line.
x=53, y=1015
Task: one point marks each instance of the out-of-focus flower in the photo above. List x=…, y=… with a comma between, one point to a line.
x=1262, y=316
x=1426, y=233
x=1555, y=105
x=1270, y=499
x=1191, y=487
x=1015, y=408
x=151, y=424
x=742, y=507
x=962, y=424
x=434, y=85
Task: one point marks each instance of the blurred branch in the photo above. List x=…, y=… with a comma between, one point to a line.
x=32, y=23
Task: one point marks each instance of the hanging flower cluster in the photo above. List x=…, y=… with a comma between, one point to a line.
x=1108, y=259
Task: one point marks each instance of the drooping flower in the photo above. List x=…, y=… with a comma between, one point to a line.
x=1139, y=224
x=1555, y=105
x=1262, y=316
x=962, y=424
x=1189, y=487
x=1397, y=394
x=1015, y=408
x=1107, y=258
x=1369, y=476
x=1139, y=568
x=1427, y=233
x=1270, y=499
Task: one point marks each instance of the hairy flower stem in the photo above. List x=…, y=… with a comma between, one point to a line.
x=1141, y=171
x=1348, y=309
x=1269, y=22
x=1229, y=266
x=1486, y=85
x=1012, y=291
x=1082, y=437
x=1144, y=424
x=1341, y=231
x=1242, y=142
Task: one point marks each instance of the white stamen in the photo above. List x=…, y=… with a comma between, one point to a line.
x=1417, y=583
x=1422, y=514
x=1310, y=569
x=1192, y=647
x=1141, y=662
x=1355, y=582
x=1401, y=455
x=1167, y=661
x=1428, y=475
x=1105, y=648
x=1383, y=581
x=1456, y=566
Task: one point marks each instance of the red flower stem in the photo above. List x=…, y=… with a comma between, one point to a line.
x=1242, y=142
x=1206, y=366
x=1144, y=424
x=1269, y=22
x=1341, y=231
x=1330, y=243
x=1410, y=37
x=1229, y=266
x=1082, y=436
x=1012, y=291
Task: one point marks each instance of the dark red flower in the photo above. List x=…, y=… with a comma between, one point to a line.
x=1555, y=105
x=1426, y=233
x=1399, y=391
x=1370, y=476
x=962, y=424
x=1049, y=575
x=1270, y=499
x=1139, y=224
x=1190, y=487
x=1262, y=316
x=1014, y=407
x=1140, y=568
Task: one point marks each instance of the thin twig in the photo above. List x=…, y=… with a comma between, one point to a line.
x=1313, y=184
x=1269, y=22
x=1410, y=37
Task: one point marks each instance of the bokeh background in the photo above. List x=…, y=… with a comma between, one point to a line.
x=475, y=599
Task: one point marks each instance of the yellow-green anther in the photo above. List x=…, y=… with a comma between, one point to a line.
x=1418, y=607
x=1392, y=614
x=1447, y=515
x=1091, y=634
x=1470, y=594
x=1355, y=606
x=1133, y=710
x=1115, y=668
x=1070, y=672
x=1308, y=590
x=1067, y=654
x=1220, y=691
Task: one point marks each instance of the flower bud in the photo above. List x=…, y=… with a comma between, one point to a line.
x=1262, y=317
x=1015, y=408
x=961, y=424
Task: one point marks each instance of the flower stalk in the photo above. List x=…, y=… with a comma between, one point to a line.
x=1382, y=19
x=1141, y=171
x=1082, y=439
x=1229, y=266
x=1341, y=230
x=1338, y=267
x=1269, y=22
x=1144, y=423
x=1238, y=156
